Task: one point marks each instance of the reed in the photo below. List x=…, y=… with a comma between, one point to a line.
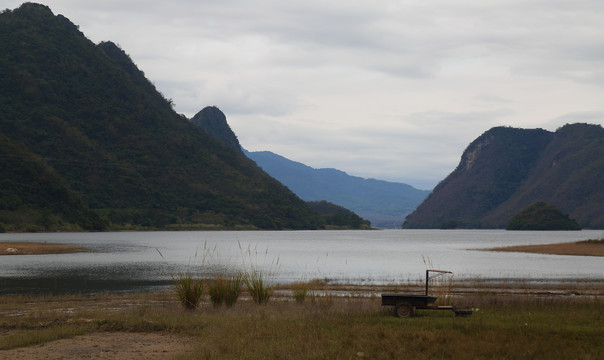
x=225, y=288
x=188, y=290
x=259, y=289
x=300, y=291
x=187, y=287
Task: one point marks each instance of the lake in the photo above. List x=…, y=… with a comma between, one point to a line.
x=145, y=261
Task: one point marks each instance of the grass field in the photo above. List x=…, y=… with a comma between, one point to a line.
x=557, y=322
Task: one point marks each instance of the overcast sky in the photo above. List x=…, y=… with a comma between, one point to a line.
x=392, y=90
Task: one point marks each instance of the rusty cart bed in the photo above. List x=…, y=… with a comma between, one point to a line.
x=405, y=304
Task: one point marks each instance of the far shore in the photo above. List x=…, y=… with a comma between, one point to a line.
x=31, y=248
x=579, y=248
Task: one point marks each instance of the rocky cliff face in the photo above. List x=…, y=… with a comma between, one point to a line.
x=507, y=169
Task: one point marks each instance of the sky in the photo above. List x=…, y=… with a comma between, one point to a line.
x=391, y=90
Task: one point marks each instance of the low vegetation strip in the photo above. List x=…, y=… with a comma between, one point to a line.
x=329, y=326
x=579, y=248
x=27, y=248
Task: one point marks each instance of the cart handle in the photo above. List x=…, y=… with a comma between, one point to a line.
x=428, y=276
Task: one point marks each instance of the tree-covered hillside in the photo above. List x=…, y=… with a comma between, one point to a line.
x=338, y=217
x=85, y=116
x=506, y=170
x=541, y=216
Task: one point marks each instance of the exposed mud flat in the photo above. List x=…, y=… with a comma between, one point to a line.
x=27, y=248
x=580, y=248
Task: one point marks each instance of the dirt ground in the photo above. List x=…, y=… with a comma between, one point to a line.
x=105, y=346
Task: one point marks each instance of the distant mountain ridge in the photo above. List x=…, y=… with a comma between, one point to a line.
x=383, y=203
x=87, y=142
x=507, y=169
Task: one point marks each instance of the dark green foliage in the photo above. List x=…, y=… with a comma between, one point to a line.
x=88, y=116
x=34, y=197
x=451, y=224
x=335, y=215
x=506, y=170
x=542, y=216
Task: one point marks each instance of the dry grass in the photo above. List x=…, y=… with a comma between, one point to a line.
x=225, y=288
x=579, y=248
x=511, y=323
x=188, y=290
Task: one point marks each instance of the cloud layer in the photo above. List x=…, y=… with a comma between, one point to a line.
x=393, y=90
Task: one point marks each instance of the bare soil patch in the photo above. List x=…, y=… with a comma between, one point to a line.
x=110, y=346
x=580, y=248
x=27, y=248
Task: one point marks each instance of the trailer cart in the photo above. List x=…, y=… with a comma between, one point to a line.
x=405, y=304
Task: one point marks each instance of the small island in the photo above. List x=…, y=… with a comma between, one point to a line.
x=542, y=216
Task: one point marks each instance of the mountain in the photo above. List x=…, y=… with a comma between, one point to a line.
x=88, y=142
x=384, y=204
x=213, y=121
x=506, y=169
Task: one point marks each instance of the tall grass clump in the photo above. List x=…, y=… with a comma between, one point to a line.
x=256, y=276
x=300, y=290
x=188, y=290
x=259, y=289
x=225, y=289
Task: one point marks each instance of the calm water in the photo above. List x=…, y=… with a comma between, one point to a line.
x=141, y=261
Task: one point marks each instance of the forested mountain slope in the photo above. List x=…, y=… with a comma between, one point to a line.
x=89, y=124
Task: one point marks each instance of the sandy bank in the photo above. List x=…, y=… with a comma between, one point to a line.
x=27, y=248
x=580, y=248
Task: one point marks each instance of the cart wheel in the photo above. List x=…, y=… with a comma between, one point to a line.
x=403, y=310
